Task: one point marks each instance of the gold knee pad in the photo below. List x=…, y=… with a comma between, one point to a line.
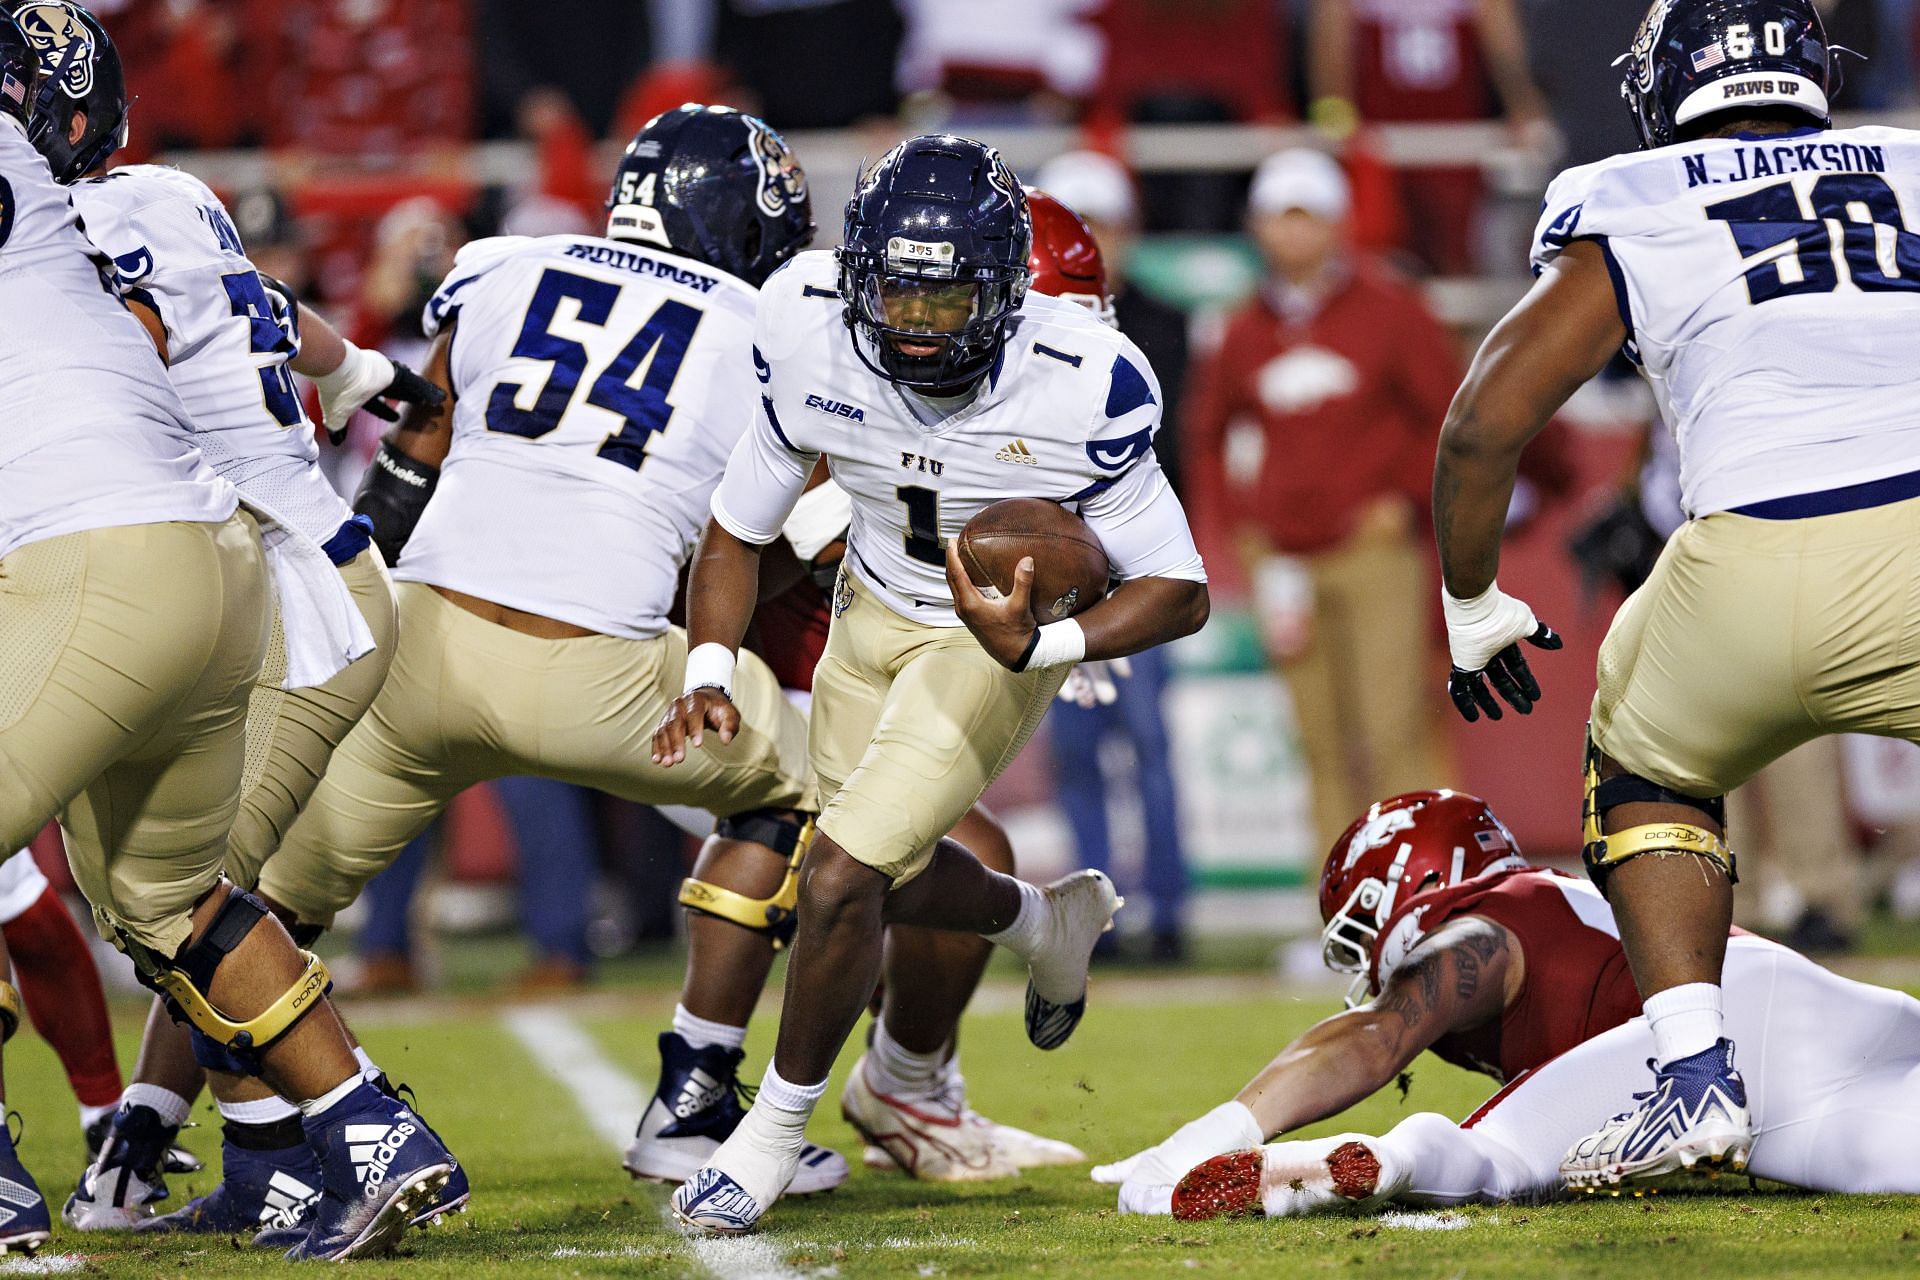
x=1602, y=852
x=9, y=1011
x=772, y=915
x=265, y=1027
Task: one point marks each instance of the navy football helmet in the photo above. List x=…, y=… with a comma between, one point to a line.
x=715, y=185
x=79, y=72
x=934, y=262
x=1692, y=58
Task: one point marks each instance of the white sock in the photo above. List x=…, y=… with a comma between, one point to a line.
x=794, y=1099
x=172, y=1107
x=331, y=1097
x=367, y=1070
x=90, y=1114
x=700, y=1033
x=893, y=1069
x=259, y=1111
x=1030, y=926
x=1685, y=1019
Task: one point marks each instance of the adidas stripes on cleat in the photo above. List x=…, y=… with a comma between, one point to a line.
x=1694, y=1117
x=696, y=1106
x=261, y=1188
x=381, y=1169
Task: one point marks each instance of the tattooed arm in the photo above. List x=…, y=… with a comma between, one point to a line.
x=1460, y=976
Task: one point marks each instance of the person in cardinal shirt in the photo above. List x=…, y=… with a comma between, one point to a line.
x=1322, y=503
x=1457, y=945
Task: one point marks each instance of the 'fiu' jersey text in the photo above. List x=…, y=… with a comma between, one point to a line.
x=1069, y=413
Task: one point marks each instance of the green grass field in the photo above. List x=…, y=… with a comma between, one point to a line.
x=551, y=1200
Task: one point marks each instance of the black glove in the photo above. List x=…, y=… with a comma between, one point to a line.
x=1510, y=676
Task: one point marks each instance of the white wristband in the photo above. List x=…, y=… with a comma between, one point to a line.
x=710, y=666
x=1060, y=644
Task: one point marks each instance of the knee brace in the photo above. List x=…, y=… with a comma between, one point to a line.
x=220, y=1042
x=774, y=914
x=1602, y=852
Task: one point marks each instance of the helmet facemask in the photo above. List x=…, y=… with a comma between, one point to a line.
x=923, y=323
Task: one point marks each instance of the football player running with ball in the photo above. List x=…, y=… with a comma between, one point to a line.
x=905, y=1095
x=1760, y=267
x=915, y=359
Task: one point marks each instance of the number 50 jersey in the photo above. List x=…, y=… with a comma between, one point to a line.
x=1770, y=285
x=600, y=388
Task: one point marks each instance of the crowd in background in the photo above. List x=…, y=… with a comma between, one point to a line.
x=1300, y=421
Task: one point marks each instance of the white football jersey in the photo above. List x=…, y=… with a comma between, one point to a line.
x=91, y=432
x=1068, y=413
x=229, y=337
x=1771, y=285
x=600, y=387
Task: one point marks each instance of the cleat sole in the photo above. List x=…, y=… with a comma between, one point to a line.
x=397, y=1214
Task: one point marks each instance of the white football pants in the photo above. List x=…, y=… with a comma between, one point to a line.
x=1832, y=1068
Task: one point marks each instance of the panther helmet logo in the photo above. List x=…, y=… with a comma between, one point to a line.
x=782, y=183
x=50, y=28
x=1645, y=41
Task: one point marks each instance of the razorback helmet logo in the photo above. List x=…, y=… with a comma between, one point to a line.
x=50, y=29
x=782, y=182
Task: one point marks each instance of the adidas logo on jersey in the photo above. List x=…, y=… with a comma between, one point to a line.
x=697, y=1093
x=1017, y=452
x=373, y=1149
x=287, y=1198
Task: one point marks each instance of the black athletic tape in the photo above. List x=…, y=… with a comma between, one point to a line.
x=236, y=919
x=773, y=828
x=1631, y=788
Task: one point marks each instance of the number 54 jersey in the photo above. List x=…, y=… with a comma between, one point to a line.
x=1068, y=412
x=1770, y=285
x=599, y=388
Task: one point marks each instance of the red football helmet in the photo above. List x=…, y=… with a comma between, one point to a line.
x=1400, y=847
x=1065, y=259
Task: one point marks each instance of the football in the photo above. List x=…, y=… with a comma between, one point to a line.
x=1069, y=565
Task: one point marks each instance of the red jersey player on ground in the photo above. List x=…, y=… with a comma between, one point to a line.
x=1458, y=946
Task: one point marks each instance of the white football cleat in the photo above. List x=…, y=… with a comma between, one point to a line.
x=930, y=1136
x=1080, y=908
x=1694, y=1118
x=1030, y=1150
x=1289, y=1179
x=694, y=1108
x=731, y=1193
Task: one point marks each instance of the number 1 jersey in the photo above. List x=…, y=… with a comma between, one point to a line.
x=1770, y=285
x=599, y=389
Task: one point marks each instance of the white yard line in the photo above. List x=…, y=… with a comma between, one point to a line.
x=611, y=1100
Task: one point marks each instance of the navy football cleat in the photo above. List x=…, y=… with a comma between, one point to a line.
x=25, y=1223
x=696, y=1107
x=454, y=1196
x=1695, y=1116
x=121, y=1186
x=381, y=1167
x=179, y=1159
x=259, y=1190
